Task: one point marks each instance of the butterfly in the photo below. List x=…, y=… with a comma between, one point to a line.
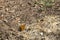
x=22, y=27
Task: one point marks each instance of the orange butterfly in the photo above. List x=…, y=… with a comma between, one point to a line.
x=22, y=27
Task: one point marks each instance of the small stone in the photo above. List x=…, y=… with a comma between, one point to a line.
x=6, y=39
x=5, y=20
x=6, y=9
x=41, y=33
x=49, y=31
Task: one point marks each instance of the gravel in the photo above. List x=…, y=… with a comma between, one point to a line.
x=39, y=24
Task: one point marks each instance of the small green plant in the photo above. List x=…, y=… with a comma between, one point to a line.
x=45, y=3
x=49, y=3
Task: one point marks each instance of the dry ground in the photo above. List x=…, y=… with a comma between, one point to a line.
x=40, y=22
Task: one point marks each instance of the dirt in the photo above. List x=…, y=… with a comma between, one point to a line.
x=29, y=20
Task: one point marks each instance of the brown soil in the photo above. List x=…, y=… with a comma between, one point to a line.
x=38, y=24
